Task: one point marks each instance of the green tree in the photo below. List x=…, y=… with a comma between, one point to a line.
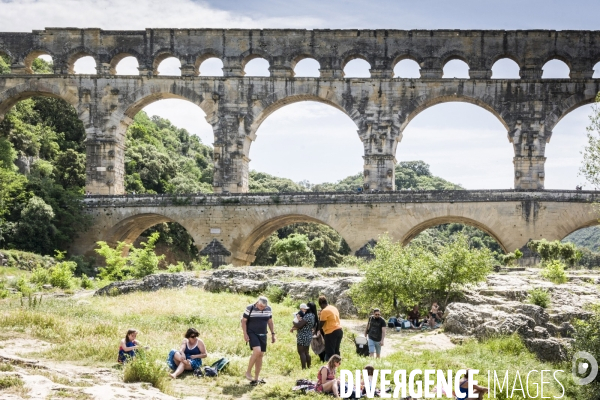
x=261, y=182
x=4, y=64
x=41, y=66
x=396, y=279
x=590, y=168
x=296, y=250
x=35, y=230
x=332, y=252
x=402, y=276
x=555, y=250
x=458, y=265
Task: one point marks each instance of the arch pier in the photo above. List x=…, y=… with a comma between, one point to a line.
x=241, y=222
x=381, y=106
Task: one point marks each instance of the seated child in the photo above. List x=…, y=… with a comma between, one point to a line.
x=128, y=346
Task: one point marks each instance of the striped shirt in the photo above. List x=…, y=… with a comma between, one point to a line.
x=257, y=320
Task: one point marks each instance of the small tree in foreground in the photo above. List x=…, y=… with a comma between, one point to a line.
x=458, y=265
x=402, y=276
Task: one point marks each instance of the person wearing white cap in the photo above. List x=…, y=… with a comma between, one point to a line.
x=305, y=323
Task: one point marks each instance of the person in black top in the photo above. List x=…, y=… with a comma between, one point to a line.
x=255, y=320
x=375, y=333
x=414, y=316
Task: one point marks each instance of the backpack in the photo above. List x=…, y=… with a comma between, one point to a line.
x=213, y=370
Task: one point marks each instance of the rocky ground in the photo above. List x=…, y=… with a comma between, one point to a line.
x=45, y=379
x=498, y=306
x=501, y=306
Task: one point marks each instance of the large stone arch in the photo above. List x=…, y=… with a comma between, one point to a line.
x=31, y=88
x=252, y=241
x=570, y=104
x=428, y=100
x=430, y=223
x=130, y=228
x=270, y=105
x=150, y=93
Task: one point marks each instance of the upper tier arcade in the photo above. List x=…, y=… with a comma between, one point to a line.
x=381, y=106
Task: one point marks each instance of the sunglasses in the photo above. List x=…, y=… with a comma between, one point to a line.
x=194, y=336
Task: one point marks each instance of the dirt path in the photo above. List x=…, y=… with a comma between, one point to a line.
x=413, y=341
x=49, y=380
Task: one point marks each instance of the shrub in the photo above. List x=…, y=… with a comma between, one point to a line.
x=587, y=338
x=61, y=275
x=203, y=264
x=114, y=269
x=86, y=283
x=85, y=266
x=40, y=276
x=179, y=267
x=554, y=271
x=3, y=291
x=274, y=294
x=143, y=368
x=539, y=297
x=23, y=286
x=8, y=381
x=144, y=260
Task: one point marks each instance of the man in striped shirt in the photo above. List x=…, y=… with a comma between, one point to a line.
x=255, y=320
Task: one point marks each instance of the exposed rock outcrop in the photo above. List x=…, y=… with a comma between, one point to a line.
x=151, y=283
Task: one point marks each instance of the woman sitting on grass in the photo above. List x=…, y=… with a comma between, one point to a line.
x=128, y=346
x=326, y=380
x=463, y=394
x=190, y=356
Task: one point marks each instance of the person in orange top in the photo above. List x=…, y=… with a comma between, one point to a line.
x=331, y=326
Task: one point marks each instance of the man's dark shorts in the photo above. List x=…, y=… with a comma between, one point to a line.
x=258, y=340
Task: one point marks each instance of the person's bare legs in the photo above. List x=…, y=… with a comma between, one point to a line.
x=182, y=364
x=258, y=365
x=252, y=362
x=331, y=386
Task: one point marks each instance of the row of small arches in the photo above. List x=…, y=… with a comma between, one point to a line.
x=504, y=68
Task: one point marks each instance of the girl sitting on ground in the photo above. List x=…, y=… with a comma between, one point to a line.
x=326, y=380
x=128, y=346
x=190, y=355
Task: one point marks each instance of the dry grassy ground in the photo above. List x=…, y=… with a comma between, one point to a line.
x=75, y=339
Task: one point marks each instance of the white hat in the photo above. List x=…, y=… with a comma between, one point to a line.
x=303, y=306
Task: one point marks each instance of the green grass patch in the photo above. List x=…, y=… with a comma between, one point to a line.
x=88, y=332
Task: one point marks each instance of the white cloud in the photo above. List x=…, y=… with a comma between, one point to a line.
x=27, y=15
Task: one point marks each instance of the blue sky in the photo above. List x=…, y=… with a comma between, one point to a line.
x=463, y=143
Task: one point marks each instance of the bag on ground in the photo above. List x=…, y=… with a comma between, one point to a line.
x=362, y=346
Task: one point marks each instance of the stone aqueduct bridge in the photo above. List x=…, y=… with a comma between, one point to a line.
x=381, y=106
x=241, y=222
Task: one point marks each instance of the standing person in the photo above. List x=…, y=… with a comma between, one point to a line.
x=255, y=320
x=305, y=326
x=375, y=333
x=413, y=317
x=190, y=355
x=332, y=328
x=434, y=315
